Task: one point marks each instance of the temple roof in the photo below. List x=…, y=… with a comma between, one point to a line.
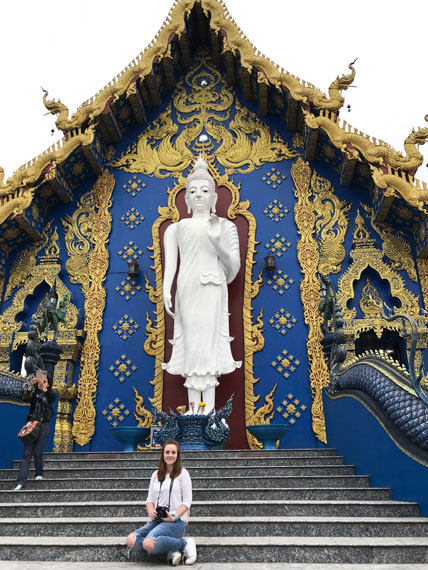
x=102, y=121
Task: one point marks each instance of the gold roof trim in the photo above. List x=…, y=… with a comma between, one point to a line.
x=411, y=189
x=353, y=142
x=15, y=203
x=29, y=173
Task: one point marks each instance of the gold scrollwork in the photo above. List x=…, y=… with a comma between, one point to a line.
x=78, y=239
x=25, y=263
x=245, y=142
x=395, y=247
x=266, y=409
x=308, y=256
x=142, y=415
x=331, y=225
x=95, y=298
x=423, y=277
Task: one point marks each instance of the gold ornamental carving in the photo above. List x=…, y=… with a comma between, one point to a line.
x=395, y=247
x=400, y=184
x=203, y=103
x=309, y=258
x=365, y=255
x=423, y=277
x=14, y=203
x=354, y=143
x=63, y=437
x=24, y=264
x=331, y=224
x=30, y=270
x=17, y=187
x=95, y=298
x=142, y=415
x=78, y=230
x=253, y=337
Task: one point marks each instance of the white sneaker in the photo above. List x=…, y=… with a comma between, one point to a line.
x=39, y=478
x=189, y=553
x=174, y=557
x=18, y=488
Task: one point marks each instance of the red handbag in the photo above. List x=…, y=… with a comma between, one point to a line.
x=29, y=432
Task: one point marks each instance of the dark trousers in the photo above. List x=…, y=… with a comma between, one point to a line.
x=35, y=448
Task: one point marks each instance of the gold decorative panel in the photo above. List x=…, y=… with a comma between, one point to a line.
x=132, y=218
x=298, y=141
x=285, y=363
x=128, y=288
x=207, y=107
x=115, y=412
x=282, y=321
x=291, y=409
x=395, y=247
x=278, y=245
x=280, y=282
x=365, y=255
x=274, y=178
x=122, y=368
x=309, y=258
x=134, y=185
x=125, y=327
x=95, y=299
x=130, y=251
x=276, y=211
x=331, y=224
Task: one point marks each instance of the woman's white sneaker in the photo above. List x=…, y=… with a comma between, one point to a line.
x=174, y=557
x=189, y=553
x=39, y=478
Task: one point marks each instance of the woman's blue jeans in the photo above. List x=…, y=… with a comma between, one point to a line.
x=167, y=536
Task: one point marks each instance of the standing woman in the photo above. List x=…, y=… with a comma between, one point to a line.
x=168, y=505
x=41, y=398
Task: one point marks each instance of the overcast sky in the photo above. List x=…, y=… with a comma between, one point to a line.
x=74, y=48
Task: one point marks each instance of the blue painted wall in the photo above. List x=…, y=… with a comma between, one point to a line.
x=358, y=436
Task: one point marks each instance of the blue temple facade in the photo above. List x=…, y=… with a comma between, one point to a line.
x=306, y=190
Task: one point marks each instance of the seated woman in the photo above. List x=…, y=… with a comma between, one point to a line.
x=168, y=505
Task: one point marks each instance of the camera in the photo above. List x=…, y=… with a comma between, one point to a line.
x=161, y=512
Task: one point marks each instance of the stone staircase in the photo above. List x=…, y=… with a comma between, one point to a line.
x=283, y=506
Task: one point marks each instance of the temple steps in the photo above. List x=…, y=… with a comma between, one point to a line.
x=85, y=565
x=325, y=550
x=225, y=526
x=247, y=482
x=271, y=494
x=249, y=508
x=192, y=463
x=231, y=455
x=197, y=472
x=294, y=507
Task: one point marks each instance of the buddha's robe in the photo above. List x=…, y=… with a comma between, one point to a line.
x=201, y=345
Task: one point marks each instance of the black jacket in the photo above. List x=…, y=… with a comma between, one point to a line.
x=39, y=400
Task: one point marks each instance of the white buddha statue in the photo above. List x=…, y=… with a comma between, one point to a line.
x=208, y=250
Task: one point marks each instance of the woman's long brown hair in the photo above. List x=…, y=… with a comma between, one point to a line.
x=176, y=468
